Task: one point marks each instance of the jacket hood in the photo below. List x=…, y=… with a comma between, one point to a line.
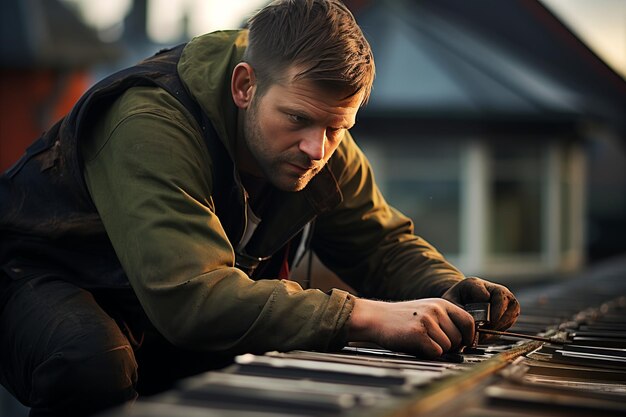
x=205, y=68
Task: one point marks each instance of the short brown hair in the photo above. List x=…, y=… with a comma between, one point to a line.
x=319, y=37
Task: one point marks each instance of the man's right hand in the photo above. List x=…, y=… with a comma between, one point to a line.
x=426, y=328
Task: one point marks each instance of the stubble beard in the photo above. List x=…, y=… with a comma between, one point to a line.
x=271, y=165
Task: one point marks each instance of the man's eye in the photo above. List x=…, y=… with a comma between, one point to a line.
x=333, y=133
x=296, y=118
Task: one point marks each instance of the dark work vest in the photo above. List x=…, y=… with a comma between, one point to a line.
x=48, y=221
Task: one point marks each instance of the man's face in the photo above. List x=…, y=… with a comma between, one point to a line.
x=291, y=131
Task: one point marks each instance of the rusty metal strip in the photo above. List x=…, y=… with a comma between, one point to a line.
x=447, y=389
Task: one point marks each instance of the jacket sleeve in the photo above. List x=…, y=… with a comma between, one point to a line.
x=371, y=245
x=149, y=176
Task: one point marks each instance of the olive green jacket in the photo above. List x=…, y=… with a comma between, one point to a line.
x=150, y=175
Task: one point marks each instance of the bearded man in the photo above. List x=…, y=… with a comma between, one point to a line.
x=149, y=234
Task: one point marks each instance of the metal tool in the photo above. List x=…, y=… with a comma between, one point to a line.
x=521, y=336
x=481, y=312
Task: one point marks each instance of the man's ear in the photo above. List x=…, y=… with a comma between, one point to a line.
x=243, y=85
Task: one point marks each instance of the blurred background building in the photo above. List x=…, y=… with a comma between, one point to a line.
x=498, y=126
x=486, y=124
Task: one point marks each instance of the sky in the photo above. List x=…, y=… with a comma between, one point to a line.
x=601, y=24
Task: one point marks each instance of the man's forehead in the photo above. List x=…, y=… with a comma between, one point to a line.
x=342, y=95
x=304, y=93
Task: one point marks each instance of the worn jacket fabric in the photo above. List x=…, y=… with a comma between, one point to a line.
x=172, y=208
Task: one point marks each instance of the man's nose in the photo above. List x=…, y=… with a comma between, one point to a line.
x=313, y=143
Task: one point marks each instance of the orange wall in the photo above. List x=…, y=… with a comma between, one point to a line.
x=27, y=109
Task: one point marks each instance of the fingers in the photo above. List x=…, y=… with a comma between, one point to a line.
x=469, y=290
x=448, y=327
x=443, y=339
x=474, y=290
x=511, y=314
x=427, y=348
x=464, y=323
x=504, y=307
x=499, y=304
x=427, y=327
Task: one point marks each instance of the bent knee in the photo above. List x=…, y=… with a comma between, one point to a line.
x=83, y=382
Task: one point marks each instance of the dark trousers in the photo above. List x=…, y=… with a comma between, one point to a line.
x=65, y=351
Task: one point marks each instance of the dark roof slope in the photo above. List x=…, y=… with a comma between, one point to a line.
x=482, y=59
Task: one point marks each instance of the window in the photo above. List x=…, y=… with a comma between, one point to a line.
x=510, y=209
x=422, y=181
x=515, y=199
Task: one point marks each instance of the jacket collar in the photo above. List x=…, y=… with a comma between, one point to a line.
x=205, y=68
